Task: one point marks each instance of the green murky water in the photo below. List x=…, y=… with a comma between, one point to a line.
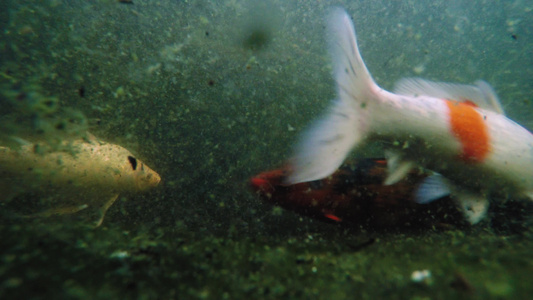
x=209, y=93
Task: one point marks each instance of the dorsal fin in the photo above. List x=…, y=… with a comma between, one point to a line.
x=491, y=98
x=480, y=94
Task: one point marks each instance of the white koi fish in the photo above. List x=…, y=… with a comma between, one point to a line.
x=459, y=131
x=90, y=176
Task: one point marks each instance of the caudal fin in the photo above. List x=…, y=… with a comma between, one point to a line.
x=325, y=145
x=354, y=83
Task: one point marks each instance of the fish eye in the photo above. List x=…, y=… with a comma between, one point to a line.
x=133, y=162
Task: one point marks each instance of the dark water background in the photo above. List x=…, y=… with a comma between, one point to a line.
x=209, y=93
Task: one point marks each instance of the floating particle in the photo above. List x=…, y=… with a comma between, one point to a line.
x=421, y=276
x=81, y=91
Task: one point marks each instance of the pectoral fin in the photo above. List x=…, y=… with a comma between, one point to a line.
x=432, y=188
x=397, y=168
x=93, y=212
x=103, y=209
x=473, y=206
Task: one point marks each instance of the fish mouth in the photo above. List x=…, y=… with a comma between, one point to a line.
x=150, y=181
x=258, y=183
x=270, y=179
x=267, y=182
x=157, y=180
x=262, y=185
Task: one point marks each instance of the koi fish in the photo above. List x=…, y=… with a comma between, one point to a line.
x=88, y=175
x=355, y=195
x=459, y=131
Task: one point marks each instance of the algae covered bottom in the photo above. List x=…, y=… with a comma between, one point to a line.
x=312, y=263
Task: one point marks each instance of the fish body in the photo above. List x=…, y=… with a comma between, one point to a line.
x=88, y=174
x=459, y=131
x=355, y=195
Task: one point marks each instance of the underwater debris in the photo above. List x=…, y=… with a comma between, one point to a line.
x=81, y=91
x=422, y=276
x=257, y=39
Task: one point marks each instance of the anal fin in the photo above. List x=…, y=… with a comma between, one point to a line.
x=58, y=211
x=432, y=188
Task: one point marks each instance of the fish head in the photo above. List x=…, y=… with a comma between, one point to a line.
x=142, y=177
x=316, y=199
x=266, y=182
x=271, y=187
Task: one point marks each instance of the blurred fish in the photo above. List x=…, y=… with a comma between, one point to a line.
x=87, y=174
x=355, y=195
x=459, y=131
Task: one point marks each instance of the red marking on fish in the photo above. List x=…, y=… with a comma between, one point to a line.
x=468, y=126
x=333, y=217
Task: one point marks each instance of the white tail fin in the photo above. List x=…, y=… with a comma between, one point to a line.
x=354, y=82
x=325, y=145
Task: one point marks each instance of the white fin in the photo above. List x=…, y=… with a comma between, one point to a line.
x=432, y=188
x=490, y=96
x=354, y=82
x=324, y=146
x=396, y=167
x=480, y=94
x=529, y=195
x=473, y=206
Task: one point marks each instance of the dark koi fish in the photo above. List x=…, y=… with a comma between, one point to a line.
x=355, y=195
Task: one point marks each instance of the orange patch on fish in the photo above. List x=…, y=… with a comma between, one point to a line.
x=333, y=217
x=469, y=128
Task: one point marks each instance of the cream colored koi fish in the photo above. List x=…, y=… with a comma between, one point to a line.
x=89, y=176
x=459, y=131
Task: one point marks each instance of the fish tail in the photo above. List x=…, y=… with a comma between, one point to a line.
x=355, y=85
x=325, y=145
